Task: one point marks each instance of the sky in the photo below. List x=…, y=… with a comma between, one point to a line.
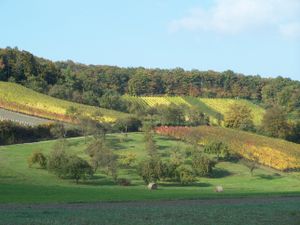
x=253, y=37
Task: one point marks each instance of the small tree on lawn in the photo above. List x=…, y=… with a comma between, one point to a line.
x=177, y=158
x=37, y=158
x=77, y=168
x=150, y=170
x=202, y=165
x=57, y=162
x=102, y=157
x=251, y=161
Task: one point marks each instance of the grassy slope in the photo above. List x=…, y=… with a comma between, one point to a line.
x=210, y=106
x=18, y=183
x=18, y=98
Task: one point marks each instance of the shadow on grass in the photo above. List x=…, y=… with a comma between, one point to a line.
x=187, y=185
x=116, y=144
x=100, y=181
x=220, y=173
x=269, y=177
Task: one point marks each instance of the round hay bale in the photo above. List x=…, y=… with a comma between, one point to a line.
x=152, y=186
x=219, y=189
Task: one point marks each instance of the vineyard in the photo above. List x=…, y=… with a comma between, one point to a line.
x=17, y=98
x=275, y=153
x=215, y=108
x=221, y=105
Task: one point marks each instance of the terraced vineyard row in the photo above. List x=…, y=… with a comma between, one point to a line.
x=275, y=153
x=221, y=105
x=214, y=108
x=20, y=99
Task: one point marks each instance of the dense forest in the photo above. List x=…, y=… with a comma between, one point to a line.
x=93, y=84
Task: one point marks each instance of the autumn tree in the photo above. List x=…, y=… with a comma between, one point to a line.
x=239, y=116
x=275, y=123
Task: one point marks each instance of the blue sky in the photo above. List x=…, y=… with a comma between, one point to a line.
x=247, y=36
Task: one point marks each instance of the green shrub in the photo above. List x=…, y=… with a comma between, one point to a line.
x=37, y=158
x=168, y=171
x=220, y=149
x=185, y=174
x=202, y=165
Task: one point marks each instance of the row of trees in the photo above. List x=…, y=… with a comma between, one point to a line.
x=103, y=85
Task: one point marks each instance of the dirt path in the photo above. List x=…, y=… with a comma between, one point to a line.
x=164, y=203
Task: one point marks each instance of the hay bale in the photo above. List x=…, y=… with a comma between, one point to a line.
x=152, y=186
x=219, y=189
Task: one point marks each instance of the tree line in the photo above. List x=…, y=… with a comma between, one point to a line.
x=103, y=85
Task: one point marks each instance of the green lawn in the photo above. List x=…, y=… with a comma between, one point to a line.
x=18, y=183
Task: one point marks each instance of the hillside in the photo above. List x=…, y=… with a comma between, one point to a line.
x=213, y=107
x=20, y=99
x=272, y=152
x=19, y=183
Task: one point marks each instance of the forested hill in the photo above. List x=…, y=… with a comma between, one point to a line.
x=90, y=83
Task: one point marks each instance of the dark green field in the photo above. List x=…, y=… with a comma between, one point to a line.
x=274, y=211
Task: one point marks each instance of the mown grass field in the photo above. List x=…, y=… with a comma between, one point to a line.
x=275, y=153
x=20, y=184
x=21, y=99
x=275, y=211
x=211, y=106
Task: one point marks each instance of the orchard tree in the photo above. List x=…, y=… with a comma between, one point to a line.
x=77, y=168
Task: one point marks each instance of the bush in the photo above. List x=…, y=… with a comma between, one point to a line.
x=37, y=158
x=185, y=174
x=168, y=171
x=218, y=148
x=202, y=165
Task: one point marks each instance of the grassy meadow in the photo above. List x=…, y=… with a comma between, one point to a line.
x=21, y=184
